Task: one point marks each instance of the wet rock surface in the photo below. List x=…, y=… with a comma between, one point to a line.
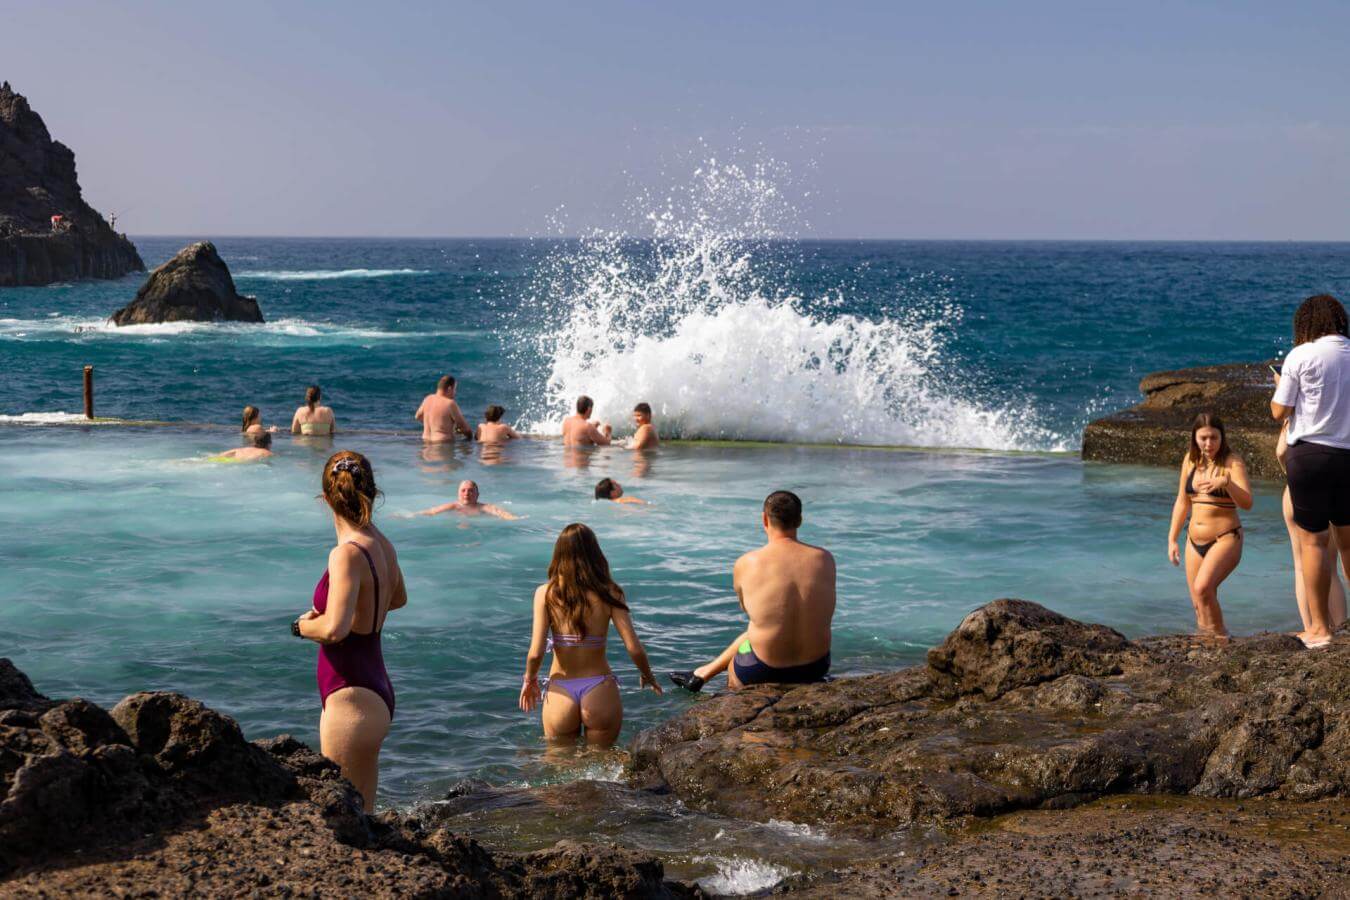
x=1020, y=708
x=38, y=181
x=1156, y=432
x=163, y=796
x=194, y=286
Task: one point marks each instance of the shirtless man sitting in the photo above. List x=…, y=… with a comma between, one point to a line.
x=440, y=415
x=645, y=437
x=468, y=505
x=579, y=431
x=787, y=589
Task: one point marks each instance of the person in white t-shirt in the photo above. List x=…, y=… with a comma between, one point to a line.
x=1312, y=392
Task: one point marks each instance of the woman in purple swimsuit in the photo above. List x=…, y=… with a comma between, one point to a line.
x=362, y=584
x=576, y=607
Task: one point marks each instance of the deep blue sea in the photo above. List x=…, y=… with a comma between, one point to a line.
x=133, y=562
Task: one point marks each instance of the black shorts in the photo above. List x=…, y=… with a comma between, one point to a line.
x=750, y=669
x=1319, y=485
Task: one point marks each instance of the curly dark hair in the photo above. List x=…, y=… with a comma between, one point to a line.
x=1318, y=317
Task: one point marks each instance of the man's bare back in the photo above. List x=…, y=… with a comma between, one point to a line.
x=441, y=418
x=579, y=431
x=788, y=590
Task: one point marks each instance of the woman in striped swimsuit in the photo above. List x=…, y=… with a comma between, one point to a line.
x=576, y=607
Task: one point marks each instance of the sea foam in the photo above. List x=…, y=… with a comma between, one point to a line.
x=695, y=321
x=328, y=274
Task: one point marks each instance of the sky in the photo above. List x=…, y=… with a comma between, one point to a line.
x=1028, y=120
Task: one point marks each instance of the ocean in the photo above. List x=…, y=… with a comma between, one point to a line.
x=133, y=563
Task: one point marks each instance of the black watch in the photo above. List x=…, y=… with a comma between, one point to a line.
x=295, y=628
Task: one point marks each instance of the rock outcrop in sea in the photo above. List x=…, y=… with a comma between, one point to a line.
x=1156, y=432
x=38, y=183
x=194, y=286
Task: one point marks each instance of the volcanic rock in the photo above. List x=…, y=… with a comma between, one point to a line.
x=165, y=797
x=37, y=182
x=1157, y=431
x=1020, y=708
x=194, y=286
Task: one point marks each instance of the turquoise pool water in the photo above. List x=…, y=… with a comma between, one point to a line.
x=132, y=563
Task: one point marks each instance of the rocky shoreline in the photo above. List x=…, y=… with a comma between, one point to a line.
x=1041, y=756
x=1155, y=432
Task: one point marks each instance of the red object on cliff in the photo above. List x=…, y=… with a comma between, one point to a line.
x=58, y=222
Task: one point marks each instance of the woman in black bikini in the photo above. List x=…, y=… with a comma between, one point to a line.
x=1213, y=487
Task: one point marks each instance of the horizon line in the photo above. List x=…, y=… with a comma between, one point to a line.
x=823, y=240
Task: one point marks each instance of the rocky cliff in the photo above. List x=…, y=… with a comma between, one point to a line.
x=1156, y=432
x=194, y=286
x=38, y=181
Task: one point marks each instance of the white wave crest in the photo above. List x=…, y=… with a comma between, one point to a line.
x=696, y=323
x=737, y=875
x=53, y=418
x=327, y=274
x=57, y=326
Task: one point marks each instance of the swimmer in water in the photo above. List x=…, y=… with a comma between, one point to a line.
x=579, y=431
x=312, y=418
x=440, y=415
x=468, y=505
x=609, y=489
x=252, y=421
x=492, y=431
x=645, y=437
x=260, y=447
x=572, y=614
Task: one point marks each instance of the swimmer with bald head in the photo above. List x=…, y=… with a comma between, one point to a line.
x=468, y=505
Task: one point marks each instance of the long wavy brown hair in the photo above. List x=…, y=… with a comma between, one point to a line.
x=1208, y=420
x=578, y=571
x=1319, y=316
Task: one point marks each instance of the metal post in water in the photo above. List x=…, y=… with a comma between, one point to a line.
x=88, y=392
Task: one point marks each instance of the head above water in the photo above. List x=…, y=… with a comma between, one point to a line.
x=577, y=572
x=643, y=413
x=1318, y=317
x=585, y=405
x=312, y=396
x=493, y=413
x=251, y=415
x=608, y=489
x=446, y=385
x=262, y=440
x=468, y=492
x=1208, y=440
x=349, y=487
x=782, y=511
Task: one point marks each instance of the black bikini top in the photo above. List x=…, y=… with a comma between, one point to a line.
x=1221, y=495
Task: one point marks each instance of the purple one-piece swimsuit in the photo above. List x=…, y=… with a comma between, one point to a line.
x=356, y=660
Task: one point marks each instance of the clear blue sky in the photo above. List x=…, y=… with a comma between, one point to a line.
x=932, y=120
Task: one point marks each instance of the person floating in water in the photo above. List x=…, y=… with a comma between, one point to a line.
x=609, y=489
x=259, y=447
x=492, y=431
x=572, y=614
x=786, y=588
x=644, y=438
x=312, y=418
x=362, y=584
x=252, y=421
x=579, y=431
x=440, y=415
x=468, y=505
x=1212, y=487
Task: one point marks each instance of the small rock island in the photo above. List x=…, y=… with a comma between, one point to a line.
x=48, y=233
x=194, y=286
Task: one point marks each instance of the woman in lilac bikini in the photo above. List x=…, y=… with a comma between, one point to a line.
x=576, y=607
x=361, y=585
